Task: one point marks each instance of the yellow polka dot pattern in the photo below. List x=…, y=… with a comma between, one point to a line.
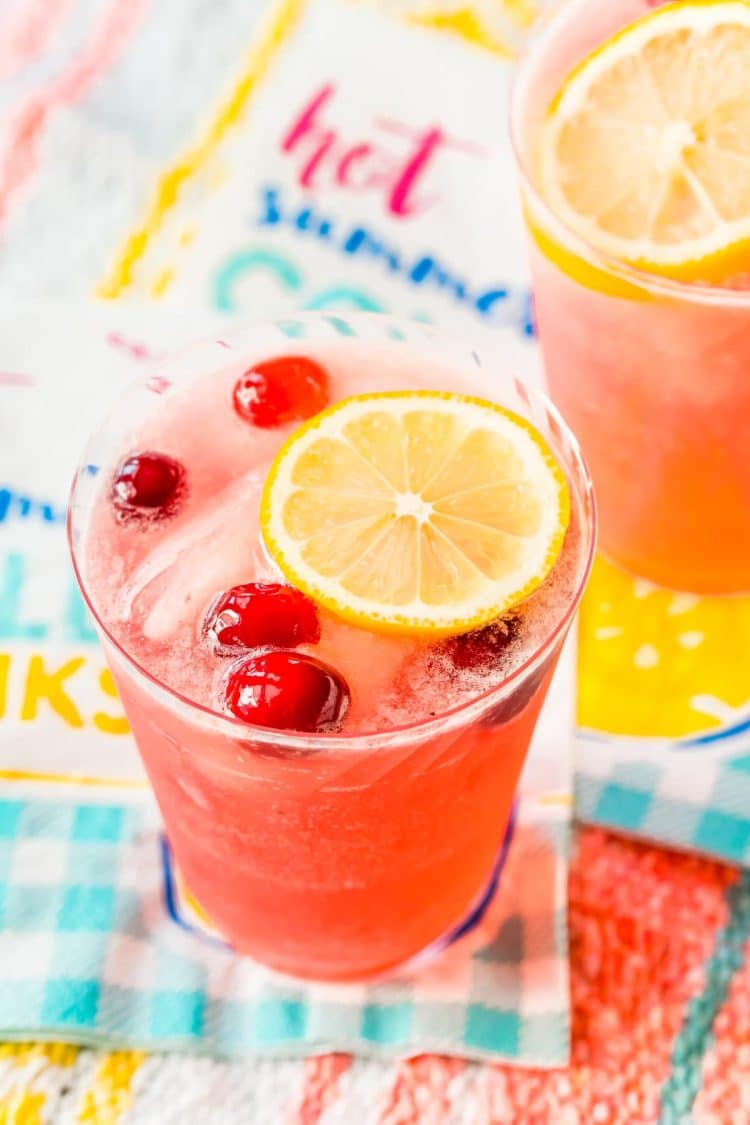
x=658, y=663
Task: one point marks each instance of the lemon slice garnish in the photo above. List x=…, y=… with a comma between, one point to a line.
x=418, y=512
x=645, y=151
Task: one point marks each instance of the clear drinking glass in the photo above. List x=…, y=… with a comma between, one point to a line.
x=332, y=856
x=651, y=374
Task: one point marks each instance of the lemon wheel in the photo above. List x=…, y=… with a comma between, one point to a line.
x=645, y=151
x=415, y=512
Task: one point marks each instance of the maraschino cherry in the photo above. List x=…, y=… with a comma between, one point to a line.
x=147, y=484
x=288, y=691
x=277, y=391
x=262, y=613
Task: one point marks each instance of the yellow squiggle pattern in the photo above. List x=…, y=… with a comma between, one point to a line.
x=522, y=12
x=71, y=779
x=21, y=1108
x=112, y=1092
x=492, y=25
x=28, y=1070
x=57, y=1054
x=465, y=23
x=23, y=1068
x=281, y=22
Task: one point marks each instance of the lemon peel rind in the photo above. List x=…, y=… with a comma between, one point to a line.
x=391, y=619
x=709, y=260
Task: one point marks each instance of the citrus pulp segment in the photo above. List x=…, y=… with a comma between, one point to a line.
x=645, y=151
x=418, y=512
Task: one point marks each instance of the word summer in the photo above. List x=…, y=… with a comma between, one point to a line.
x=497, y=304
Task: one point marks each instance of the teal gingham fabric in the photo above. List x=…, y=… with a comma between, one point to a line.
x=694, y=794
x=89, y=952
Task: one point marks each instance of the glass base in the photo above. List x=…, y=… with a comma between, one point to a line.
x=187, y=913
x=476, y=912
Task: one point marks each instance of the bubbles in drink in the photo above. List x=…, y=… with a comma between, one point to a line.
x=440, y=676
x=155, y=582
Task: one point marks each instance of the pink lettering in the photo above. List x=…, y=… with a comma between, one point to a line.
x=138, y=351
x=354, y=156
x=326, y=159
x=159, y=384
x=427, y=144
x=309, y=169
x=401, y=202
x=307, y=127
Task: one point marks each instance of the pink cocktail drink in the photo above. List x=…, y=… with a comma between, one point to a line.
x=651, y=373
x=341, y=849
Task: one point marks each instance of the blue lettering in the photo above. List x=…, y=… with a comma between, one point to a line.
x=25, y=507
x=302, y=222
x=272, y=214
x=485, y=304
x=513, y=306
x=307, y=220
x=427, y=269
x=528, y=317
x=360, y=239
x=496, y=305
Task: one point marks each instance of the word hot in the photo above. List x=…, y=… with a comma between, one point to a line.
x=394, y=159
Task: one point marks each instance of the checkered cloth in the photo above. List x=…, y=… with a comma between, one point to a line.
x=89, y=951
x=687, y=796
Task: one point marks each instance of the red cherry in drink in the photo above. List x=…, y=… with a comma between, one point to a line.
x=287, y=691
x=277, y=391
x=148, y=483
x=482, y=648
x=262, y=613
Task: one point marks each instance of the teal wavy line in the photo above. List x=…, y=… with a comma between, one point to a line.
x=696, y=1035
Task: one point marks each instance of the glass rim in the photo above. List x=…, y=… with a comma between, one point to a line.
x=697, y=292
x=463, y=713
